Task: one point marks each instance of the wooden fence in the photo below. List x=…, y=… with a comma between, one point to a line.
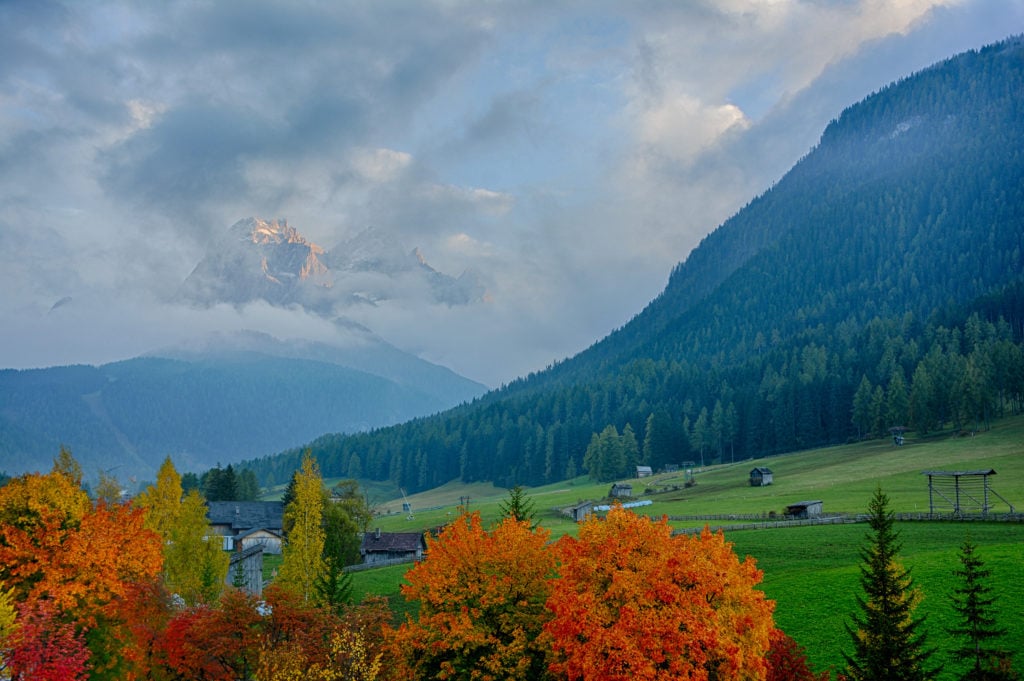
x=835, y=519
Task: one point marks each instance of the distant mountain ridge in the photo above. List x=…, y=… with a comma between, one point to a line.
x=216, y=400
x=269, y=260
x=878, y=283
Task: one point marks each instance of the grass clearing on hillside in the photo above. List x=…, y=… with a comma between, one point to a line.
x=842, y=477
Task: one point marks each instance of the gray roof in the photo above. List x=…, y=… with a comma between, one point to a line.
x=238, y=556
x=393, y=542
x=241, y=516
x=762, y=470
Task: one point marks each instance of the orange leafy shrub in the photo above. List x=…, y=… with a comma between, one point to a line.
x=482, y=596
x=634, y=602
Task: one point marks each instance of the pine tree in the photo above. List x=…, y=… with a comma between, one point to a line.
x=888, y=641
x=519, y=506
x=978, y=630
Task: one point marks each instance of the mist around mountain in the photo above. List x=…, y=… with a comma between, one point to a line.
x=215, y=400
x=879, y=283
x=270, y=260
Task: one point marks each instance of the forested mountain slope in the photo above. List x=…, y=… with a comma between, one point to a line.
x=877, y=284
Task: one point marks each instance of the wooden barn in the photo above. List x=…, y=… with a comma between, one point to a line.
x=579, y=511
x=379, y=547
x=804, y=509
x=760, y=477
x=621, y=490
x=245, y=570
x=644, y=471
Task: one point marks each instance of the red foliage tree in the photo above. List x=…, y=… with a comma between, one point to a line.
x=787, y=660
x=44, y=648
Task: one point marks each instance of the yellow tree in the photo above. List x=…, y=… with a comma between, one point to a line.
x=162, y=500
x=195, y=566
x=481, y=605
x=7, y=624
x=634, y=602
x=26, y=499
x=302, y=564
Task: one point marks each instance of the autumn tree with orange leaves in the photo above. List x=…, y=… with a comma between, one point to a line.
x=75, y=563
x=481, y=597
x=634, y=602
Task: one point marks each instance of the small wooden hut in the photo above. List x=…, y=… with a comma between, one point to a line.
x=760, y=477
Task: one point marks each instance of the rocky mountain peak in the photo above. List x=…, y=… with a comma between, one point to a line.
x=272, y=261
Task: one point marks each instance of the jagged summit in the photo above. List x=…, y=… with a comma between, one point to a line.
x=270, y=260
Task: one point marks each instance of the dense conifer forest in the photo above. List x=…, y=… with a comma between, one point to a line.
x=878, y=284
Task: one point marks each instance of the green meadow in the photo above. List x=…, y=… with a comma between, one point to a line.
x=811, y=572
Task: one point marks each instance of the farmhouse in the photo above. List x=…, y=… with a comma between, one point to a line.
x=620, y=490
x=760, y=477
x=262, y=520
x=379, y=547
x=804, y=509
x=268, y=540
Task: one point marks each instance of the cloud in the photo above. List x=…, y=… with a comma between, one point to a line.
x=569, y=153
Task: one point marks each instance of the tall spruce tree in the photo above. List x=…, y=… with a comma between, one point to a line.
x=889, y=643
x=978, y=630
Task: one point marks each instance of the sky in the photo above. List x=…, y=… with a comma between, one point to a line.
x=570, y=153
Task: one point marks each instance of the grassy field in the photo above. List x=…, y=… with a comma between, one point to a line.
x=842, y=477
x=811, y=572
x=813, y=575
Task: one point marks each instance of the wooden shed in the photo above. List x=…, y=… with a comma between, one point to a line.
x=804, y=509
x=245, y=570
x=644, y=471
x=760, y=477
x=579, y=511
x=379, y=547
x=620, y=490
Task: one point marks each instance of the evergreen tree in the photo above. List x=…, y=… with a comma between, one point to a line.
x=862, y=417
x=897, y=403
x=977, y=630
x=341, y=547
x=519, y=506
x=630, y=452
x=716, y=431
x=220, y=484
x=189, y=482
x=248, y=486
x=888, y=641
x=288, y=496
x=922, y=416
x=700, y=435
